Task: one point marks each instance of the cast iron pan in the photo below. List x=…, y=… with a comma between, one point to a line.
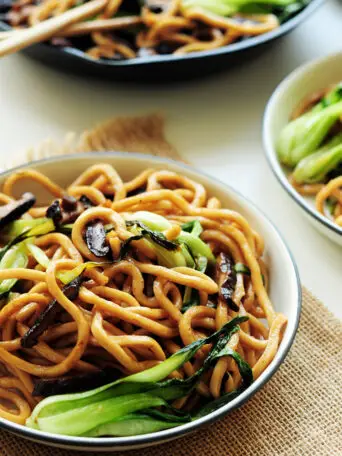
x=164, y=67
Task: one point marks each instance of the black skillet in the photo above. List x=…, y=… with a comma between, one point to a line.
x=164, y=67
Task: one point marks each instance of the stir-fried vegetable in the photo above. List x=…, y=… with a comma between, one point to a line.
x=169, y=253
x=80, y=420
x=316, y=166
x=191, y=296
x=103, y=411
x=332, y=97
x=229, y=7
x=15, y=257
x=197, y=247
x=242, y=269
x=194, y=227
x=304, y=135
x=134, y=424
x=188, y=242
x=247, y=379
x=38, y=254
x=153, y=221
x=155, y=236
x=18, y=227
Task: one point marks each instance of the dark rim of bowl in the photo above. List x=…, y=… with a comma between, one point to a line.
x=229, y=49
x=277, y=171
x=169, y=434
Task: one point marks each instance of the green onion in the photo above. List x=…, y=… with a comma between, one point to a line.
x=64, y=276
x=153, y=221
x=196, y=246
x=20, y=226
x=190, y=262
x=242, y=269
x=191, y=296
x=68, y=276
x=194, y=227
x=159, y=223
x=247, y=379
x=38, y=254
x=13, y=258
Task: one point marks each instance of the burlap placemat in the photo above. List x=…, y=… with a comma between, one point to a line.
x=298, y=413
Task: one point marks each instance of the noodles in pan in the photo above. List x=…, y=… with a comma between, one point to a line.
x=143, y=299
x=311, y=144
x=128, y=29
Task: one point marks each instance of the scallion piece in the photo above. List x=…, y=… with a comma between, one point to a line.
x=13, y=258
x=242, y=269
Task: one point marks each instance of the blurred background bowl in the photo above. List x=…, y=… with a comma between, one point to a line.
x=162, y=68
x=307, y=79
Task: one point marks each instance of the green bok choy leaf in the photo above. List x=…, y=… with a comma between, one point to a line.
x=302, y=136
x=229, y=7
x=316, y=166
x=78, y=414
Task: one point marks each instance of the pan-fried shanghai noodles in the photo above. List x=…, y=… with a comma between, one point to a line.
x=128, y=307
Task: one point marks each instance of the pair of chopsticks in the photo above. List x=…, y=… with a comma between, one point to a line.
x=66, y=24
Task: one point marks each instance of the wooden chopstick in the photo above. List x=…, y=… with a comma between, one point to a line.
x=50, y=27
x=100, y=25
x=83, y=28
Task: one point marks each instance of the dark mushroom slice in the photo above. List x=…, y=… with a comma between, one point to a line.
x=69, y=203
x=68, y=210
x=15, y=209
x=95, y=237
x=226, y=279
x=75, y=384
x=54, y=212
x=48, y=316
x=87, y=203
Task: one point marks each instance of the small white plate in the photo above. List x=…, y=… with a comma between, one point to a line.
x=305, y=80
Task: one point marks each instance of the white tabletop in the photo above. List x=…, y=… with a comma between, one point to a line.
x=214, y=123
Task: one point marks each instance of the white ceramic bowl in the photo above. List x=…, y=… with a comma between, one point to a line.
x=285, y=290
x=305, y=80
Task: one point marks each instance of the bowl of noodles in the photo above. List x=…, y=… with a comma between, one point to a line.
x=140, y=300
x=302, y=136
x=156, y=40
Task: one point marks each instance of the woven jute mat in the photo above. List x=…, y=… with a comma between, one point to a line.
x=298, y=413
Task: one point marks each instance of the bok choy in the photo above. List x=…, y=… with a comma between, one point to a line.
x=15, y=257
x=316, y=166
x=128, y=405
x=230, y=7
x=184, y=243
x=304, y=135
